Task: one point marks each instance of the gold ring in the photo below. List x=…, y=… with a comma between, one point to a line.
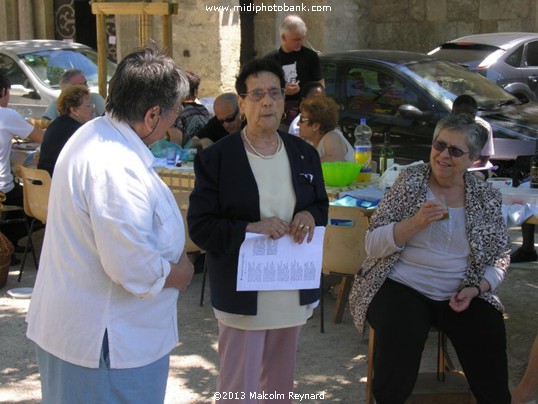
x=307, y=228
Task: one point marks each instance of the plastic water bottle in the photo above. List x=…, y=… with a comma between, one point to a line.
x=363, y=145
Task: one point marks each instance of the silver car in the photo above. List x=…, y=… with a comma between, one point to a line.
x=34, y=68
x=509, y=59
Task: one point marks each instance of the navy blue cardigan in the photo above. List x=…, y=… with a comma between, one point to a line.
x=225, y=199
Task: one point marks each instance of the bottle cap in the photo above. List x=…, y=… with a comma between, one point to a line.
x=363, y=121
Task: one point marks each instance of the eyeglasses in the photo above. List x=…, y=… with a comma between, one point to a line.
x=92, y=106
x=257, y=95
x=230, y=119
x=302, y=119
x=454, y=151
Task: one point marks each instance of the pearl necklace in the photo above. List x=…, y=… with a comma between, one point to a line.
x=263, y=156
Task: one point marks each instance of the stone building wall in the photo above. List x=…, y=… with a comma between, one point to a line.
x=208, y=42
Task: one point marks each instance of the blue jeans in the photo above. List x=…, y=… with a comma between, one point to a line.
x=65, y=383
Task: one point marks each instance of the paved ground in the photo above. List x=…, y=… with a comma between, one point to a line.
x=333, y=362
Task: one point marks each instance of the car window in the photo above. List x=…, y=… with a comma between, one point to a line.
x=514, y=59
x=370, y=90
x=13, y=71
x=329, y=74
x=445, y=81
x=49, y=65
x=532, y=54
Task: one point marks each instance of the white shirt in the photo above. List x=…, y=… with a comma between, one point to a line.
x=112, y=228
x=12, y=124
x=349, y=151
x=488, y=149
x=294, y=126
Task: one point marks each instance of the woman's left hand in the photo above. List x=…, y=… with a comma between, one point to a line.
x=302, y=225
x=460, y=301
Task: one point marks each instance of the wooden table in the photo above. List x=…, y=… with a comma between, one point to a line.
x=179, y=179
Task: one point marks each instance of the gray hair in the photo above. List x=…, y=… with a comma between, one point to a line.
x=144, y=79
x=230, y=98
x=476, y=135
x=292, y=23
x=66, y=76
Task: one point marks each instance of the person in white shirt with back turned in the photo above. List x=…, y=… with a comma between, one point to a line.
x=104, y=307
x=12, y=125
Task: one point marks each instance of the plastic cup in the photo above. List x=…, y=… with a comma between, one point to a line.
x=171, y=153
x=441, y=200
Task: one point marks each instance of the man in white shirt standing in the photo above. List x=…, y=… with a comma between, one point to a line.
x=12, y=125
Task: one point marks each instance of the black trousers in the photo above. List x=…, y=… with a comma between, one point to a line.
x=402, y=317
x=14, y=231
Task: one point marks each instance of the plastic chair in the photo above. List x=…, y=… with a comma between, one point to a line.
x=36, y=189
x=343, y=251
x=182, y=200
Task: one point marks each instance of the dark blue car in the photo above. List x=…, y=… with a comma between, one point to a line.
x=405, y=94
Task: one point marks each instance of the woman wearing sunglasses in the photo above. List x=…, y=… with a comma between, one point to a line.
x=317, y=125
x=423, y=270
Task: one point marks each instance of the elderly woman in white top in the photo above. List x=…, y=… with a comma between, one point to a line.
x=426, y=268
x=317, y=125
x=103, y=311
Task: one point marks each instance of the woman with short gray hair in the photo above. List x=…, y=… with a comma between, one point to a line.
x=438, y=249
x=104, y=308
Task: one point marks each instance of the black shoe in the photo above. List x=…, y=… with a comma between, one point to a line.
x=521, y=255
x=14, y=260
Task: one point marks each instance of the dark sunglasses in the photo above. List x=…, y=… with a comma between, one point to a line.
x=230, y=118
x=454, y=151
x=302, y=119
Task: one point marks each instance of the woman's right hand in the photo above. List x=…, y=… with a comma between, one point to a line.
x=432, y=211
x=180, y=274
x=272, y=226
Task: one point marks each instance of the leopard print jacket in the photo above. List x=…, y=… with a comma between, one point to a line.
x=486, y=231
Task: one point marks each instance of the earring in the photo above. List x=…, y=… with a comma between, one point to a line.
x=242, y=117
x=284, y=115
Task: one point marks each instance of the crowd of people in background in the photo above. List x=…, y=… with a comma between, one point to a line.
x=262, y=131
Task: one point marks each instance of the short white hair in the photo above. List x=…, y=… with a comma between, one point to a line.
x=292, y=23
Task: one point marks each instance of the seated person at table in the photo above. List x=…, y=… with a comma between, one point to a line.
x=75, y=77
x=424, y=268
x=192, y=118
x=226, y=120
x=12, y=125
x=317, y=125
x=309, y=90
x=75, y=107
